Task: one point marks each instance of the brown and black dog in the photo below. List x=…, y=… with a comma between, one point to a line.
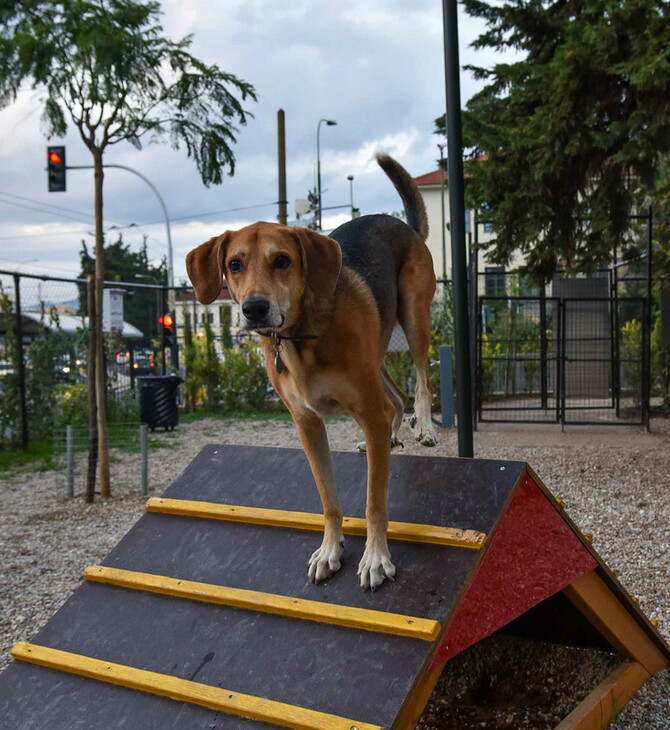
x=327, y=306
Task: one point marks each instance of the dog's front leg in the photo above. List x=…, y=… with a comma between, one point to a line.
x=375, y=417
x=326, y=560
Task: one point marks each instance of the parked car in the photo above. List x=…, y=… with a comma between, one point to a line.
x=144, y=365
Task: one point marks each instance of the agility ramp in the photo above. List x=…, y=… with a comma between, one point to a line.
x=202, y=616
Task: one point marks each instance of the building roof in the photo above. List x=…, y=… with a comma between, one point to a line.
x=430, y=178
x=72, y=324
x=435, y=177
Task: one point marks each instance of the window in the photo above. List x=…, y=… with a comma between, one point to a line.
x=496, y=281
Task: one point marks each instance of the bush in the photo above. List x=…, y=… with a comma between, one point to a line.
x=243, y=381
x=71, y=405
x=631, y=358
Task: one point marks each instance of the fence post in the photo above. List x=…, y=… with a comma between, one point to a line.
x=144, y=458
x=446, y=387
x=69, y=445
x=21, y=362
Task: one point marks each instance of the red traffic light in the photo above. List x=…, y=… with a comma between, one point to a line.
x=167, y=320
x=55, y=157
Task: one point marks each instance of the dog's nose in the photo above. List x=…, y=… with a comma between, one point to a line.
x=255, y=309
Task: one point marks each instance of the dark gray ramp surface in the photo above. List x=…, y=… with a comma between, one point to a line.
x=351, y=673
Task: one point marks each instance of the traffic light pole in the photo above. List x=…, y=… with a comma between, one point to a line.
x=170, y=271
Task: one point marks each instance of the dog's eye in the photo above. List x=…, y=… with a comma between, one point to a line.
x=281, y=262
x=234, y=266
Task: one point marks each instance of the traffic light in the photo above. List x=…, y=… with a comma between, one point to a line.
x=167, y=320
x=56, y=169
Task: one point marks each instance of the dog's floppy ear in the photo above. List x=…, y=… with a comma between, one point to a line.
x=205, y=267
x=321, y=261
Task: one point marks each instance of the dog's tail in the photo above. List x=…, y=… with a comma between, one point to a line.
x=415, y=209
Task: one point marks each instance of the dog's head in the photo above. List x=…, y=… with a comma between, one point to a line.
x=267, y=267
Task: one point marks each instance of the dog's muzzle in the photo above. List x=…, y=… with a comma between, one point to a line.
x=255, y=311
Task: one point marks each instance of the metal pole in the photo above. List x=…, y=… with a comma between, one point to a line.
x=69, y=445
x=281, y=163
x=350, y=178
x=444, y=222
x=446, y=386
x=163, y=338
x=647, y=344
x=170, y=271
x=330, y=123
x=457, y=216
x=543, y=346
x=318, y=176
x=20, y=361
x=144, y=459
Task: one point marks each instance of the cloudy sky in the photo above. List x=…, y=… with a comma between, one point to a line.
x=375, y=66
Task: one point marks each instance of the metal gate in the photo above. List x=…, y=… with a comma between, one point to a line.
x=603, y=370
x=518, y=373
x=562, y=360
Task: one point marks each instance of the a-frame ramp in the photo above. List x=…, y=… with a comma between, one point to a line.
x=208, y=604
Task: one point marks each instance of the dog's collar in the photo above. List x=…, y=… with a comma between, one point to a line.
x=277, y=347
x=278, y=336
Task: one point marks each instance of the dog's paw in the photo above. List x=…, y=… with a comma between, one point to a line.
x=374, y=568
x=424, y=432
x=325, y=561
x=395, y=441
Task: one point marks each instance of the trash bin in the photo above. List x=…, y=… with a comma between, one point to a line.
x=158, y=400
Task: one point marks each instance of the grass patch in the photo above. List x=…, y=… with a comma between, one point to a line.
x=279, y=415
x=39, y=456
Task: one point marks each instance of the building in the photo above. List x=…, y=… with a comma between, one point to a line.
x=434, y=187
x=220, y=312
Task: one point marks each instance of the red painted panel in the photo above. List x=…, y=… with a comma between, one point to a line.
x=533, y=554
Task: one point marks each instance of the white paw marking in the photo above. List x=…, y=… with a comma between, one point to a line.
x=424, y=431
x=395, y=441
x=326, y=560
x=375, y=567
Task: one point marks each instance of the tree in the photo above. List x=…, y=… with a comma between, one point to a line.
x=105, y=66
x=573, y=132
x=141, y=307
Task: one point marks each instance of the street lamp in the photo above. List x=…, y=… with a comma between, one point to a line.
x=330, y=123
x=350, y=178
x=444, y=235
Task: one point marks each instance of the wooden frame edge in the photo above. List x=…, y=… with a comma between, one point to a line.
x=611, y=618
x=605, y=702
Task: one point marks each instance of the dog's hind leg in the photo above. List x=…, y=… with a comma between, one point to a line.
x=416, y=285
x=399, y=400
x=326, y=560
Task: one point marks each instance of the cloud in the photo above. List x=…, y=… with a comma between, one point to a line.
x=376, y=67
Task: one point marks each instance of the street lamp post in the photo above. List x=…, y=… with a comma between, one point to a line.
x=330, y=123
x=350, y=178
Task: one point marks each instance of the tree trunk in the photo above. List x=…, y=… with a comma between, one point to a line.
x=101, y=389
x=92, y=405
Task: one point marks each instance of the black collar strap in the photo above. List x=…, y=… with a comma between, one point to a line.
x=278, y=336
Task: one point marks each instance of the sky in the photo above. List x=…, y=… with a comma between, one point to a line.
x=374, y=66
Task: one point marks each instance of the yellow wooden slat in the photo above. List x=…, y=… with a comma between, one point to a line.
x=183, y=690
x=406, y=531
x=357, y=618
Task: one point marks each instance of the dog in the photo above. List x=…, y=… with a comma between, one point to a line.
x=326, y=306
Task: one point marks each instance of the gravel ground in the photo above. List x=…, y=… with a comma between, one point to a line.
x=615, y=482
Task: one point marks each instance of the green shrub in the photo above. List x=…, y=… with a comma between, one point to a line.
x=660, y=364
x=631, y=358
x=243, y=381
x=71, y=405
